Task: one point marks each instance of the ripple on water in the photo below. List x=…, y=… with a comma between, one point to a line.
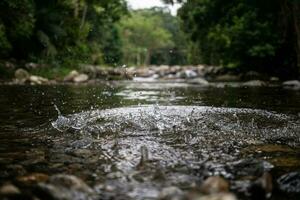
x=182, y=141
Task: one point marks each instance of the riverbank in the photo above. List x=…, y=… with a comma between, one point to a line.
x=204, y=76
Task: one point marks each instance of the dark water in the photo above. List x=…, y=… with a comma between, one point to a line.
x=189, y=132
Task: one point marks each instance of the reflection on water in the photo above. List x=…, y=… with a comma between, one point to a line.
x=137, y=138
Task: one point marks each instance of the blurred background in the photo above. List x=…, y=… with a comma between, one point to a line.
x=52, y=37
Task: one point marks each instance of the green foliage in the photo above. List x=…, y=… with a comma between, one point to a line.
x=61, y=32
x=151, y=36
x=241, y=33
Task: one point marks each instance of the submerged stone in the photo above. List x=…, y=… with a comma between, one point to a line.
x=290, y=182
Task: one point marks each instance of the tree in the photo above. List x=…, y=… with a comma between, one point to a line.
x=143, y=33
x=60, y=31
x=259, y=35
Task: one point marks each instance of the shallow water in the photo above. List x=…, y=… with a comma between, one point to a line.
x=136, y=138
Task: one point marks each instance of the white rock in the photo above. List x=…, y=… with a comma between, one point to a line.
x=293, y=84
x=21, y=75
x=71, y=75
x=255, y=83
x=199, y=81
x=81, y=78
x=37, y=80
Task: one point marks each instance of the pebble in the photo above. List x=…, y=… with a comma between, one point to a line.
x=9, y=189
x=214, y=184
x=33, y=178
x=290, y=182
x=171, y=193
x=220, y=196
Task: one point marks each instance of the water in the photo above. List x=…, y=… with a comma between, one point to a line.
x=129, y=139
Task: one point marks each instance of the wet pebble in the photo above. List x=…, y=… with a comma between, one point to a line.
x=262, y=187
x=214, y=184
x=8, y=190
x=171, y=193
x=290, y=182
x=64, y=187
x=70, y=181
x=220, y=196
x=13, y=171
x=33, y=178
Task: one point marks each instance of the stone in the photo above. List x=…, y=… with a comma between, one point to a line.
x=292, y=84
x=64, y=187
x=71, y=76
x=37, y=80
x=255, y=83
x=220, y=196
x=274, y=79
x=14, y=170
x=290, y=182
x=21, y=75
x=171, y=193
x=262, y=187
x=199, y=81
x=214, y=184
x=252, y=75
x=81, y=78
x=70, y=182
x=227, y=78
x=33, y=178
x=8, y=190
x=188, y=73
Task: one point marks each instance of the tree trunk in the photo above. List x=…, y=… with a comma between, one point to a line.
x=76, y=9
x=83, y=16
x=148, y=57
x=296, y=20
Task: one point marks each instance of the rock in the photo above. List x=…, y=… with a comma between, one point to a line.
x=220, y=196
x=249, y=167
x=214, y=184
x=9, y=190
x=71, y=76
x=290, y=182
x=70, y=182
x=37, y=80
x=199, y=81
x=262, y=187
x=252, y=75
x=274, y=79
x=13, y=171
x=33, y=178
x=227, y=78
x=188, y=74
x=292, y=84
x=21, y=75
x=81, y=78
x=255, y=83
x=171, y=193
x=64, y=187
x=144, y=157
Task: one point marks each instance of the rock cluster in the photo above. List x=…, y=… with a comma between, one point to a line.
x=199, y=75
x=22, y=76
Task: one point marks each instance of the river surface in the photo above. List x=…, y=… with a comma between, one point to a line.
x=130, y=139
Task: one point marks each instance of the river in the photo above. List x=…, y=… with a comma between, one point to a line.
x=128, y=140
